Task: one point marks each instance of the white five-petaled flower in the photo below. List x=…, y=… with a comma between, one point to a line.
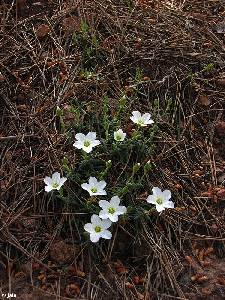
x=111, y=209
x=94, y=187
x=86, y=142
x=54, y=183
x=161, y=199
x=98, y=228
x=119, y=135
x=141, y=120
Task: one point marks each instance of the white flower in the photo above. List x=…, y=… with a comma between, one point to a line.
x=161, y=199
x=142, y=120
x=54, y=182
x=98, y=228
x=94, y=187
x=119, y=135
x=86, y=142
x=111, y=209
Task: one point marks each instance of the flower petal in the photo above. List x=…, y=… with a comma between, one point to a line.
x=166, y=194
x=136, y=114
x=100, y=193
x=121, y=210
x=149, y=122
x=95, y=143
x=85, y=186
x=115, y=201
x=93, y=181
x=87, y=149
x=104, y=204
x=106, y=234
x=133, y=119
x=48, y=188
x=159, y=208
x=94, y=237
x=80, y=137
x=48, y=180
x=56, y=176
x=103, y=214
x=169, y=204
x=151, y=199
x=146, y=117
x=101, y=184
x=78, y=144
x=91, y=136
x=156, y=191
x=106, y=223
x=95, y=220
x=113, y=217
x=89, y=227
x=62, y=180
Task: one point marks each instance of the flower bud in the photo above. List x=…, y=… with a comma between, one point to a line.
x=136, y=167
x=58, y=111
x=147, y=167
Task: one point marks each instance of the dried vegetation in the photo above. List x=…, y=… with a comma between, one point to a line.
x=179, y=48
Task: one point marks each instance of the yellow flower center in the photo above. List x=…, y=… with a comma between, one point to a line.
x=141, y=122
x=159, y=201
x=98, y=229
x=94, y=190
x=111, y=210
x=87, y=143
x=55, y=185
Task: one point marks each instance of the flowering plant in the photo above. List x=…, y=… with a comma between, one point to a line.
x=54, y=183
x=86, y=142
x=161, y=199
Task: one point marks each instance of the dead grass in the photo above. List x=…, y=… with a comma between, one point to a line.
x=41, y=69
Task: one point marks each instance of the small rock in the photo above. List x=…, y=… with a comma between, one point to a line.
x=220, y=128
x=204, y=100
x=42, y=30
x=61, y=252
x=221, y=193
x=71, y=24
